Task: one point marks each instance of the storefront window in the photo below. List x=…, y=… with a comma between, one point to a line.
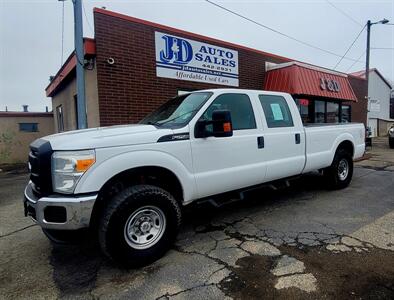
x=346, y=115
x=332, y=112
x=304, y=107
x=320, y=111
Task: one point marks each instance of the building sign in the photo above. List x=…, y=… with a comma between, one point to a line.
x=185, y=59
x=374, y=105
x=329, y=84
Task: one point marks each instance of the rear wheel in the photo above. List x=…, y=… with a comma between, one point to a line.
x=139, y=225
x=339, y=174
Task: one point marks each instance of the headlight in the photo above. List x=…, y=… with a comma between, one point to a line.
x=391, y=130
x=68, y=167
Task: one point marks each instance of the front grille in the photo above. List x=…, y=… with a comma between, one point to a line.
x=40, y=167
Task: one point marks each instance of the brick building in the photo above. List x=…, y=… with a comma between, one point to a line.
x=129, y=73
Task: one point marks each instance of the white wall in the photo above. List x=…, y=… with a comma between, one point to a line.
x=379, y=98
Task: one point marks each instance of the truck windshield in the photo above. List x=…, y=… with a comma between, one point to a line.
x=178, y=111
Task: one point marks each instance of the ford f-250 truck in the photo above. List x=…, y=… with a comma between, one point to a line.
x=128, y=183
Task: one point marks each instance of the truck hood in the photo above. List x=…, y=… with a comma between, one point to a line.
x=111, y=136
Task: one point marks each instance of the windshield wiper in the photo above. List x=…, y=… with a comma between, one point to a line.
x=173, y=119
x=152, y=123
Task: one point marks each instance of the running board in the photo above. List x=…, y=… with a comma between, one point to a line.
x=231, y=197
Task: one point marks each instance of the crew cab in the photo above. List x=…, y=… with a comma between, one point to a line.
x=129, y=183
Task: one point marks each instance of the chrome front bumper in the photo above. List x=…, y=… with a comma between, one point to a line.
x=78, y=209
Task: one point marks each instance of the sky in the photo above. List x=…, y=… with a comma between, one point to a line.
x=31, y=34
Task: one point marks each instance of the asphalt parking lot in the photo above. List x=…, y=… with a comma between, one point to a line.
x=300, y=242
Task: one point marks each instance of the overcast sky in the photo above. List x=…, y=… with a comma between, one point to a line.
x=31, y=35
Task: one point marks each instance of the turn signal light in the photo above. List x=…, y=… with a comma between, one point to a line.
x=84, y=164
x=227, y=127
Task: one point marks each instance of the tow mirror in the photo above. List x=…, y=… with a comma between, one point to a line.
x=221, y=125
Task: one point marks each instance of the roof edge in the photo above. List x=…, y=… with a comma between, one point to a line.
x=180, y=31
x=25, y=114
x=308, y=66
x=361, y=74
x=68, y=66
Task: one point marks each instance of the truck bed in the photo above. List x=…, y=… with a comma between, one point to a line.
x=322, y=140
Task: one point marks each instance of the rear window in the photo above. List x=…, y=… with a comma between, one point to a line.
x=276, y=111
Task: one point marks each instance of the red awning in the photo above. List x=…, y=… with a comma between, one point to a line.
x=301, y=79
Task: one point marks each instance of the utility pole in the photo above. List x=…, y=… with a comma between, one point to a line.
x=369, y=24
x=80, y=57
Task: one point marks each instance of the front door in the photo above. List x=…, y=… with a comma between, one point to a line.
x=227, y=163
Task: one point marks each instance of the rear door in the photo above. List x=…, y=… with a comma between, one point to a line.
x=227, y=163
x=284, y=137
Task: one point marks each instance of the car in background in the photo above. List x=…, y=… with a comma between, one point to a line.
x=391, y=137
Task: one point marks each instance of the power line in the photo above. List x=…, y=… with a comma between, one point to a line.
x=61, y=59
x=87, y=20
x=382, y=48
x=357, y=61
x=351, y=45
x=278, y=32
x=344, y=13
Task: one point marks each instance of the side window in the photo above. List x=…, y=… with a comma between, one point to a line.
x=242, y=115
x=28, y=127
x=276, y=111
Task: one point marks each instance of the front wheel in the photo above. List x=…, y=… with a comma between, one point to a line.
x=339, y=174
x=139, y=225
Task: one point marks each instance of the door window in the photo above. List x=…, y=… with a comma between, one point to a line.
x=276, y=111
x=59, y=116
x=242, y=115
x=332, y=112
x=346, y=116
x=320, y=111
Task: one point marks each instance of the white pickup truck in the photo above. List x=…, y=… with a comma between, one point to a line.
x=128, y=183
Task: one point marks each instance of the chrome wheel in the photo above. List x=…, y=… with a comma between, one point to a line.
x=145, y=227
x=343, y=169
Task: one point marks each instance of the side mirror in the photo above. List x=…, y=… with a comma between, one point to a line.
x=221, y=122
x=221, y=125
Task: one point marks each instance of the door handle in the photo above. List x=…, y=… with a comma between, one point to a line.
x=298, y=138
x=260, y=142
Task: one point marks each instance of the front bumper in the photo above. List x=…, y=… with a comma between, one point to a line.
x=59, y=211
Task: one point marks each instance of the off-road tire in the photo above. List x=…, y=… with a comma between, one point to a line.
x=331, y=174
x=115, y=217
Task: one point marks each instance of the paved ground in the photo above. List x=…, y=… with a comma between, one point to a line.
x=300, y=242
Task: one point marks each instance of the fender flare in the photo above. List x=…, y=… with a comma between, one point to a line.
x=95, y=178
x=342, y=138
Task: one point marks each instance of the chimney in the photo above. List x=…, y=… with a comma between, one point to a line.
x=25, y=108
x=6, y=108
x=46, y=108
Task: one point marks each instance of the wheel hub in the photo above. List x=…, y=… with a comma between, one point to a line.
x=343, y=169
x=145, y=227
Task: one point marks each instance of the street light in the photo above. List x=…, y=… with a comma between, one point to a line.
x=369, y=24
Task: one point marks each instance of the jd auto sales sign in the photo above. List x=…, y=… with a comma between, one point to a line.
x=185, y=59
